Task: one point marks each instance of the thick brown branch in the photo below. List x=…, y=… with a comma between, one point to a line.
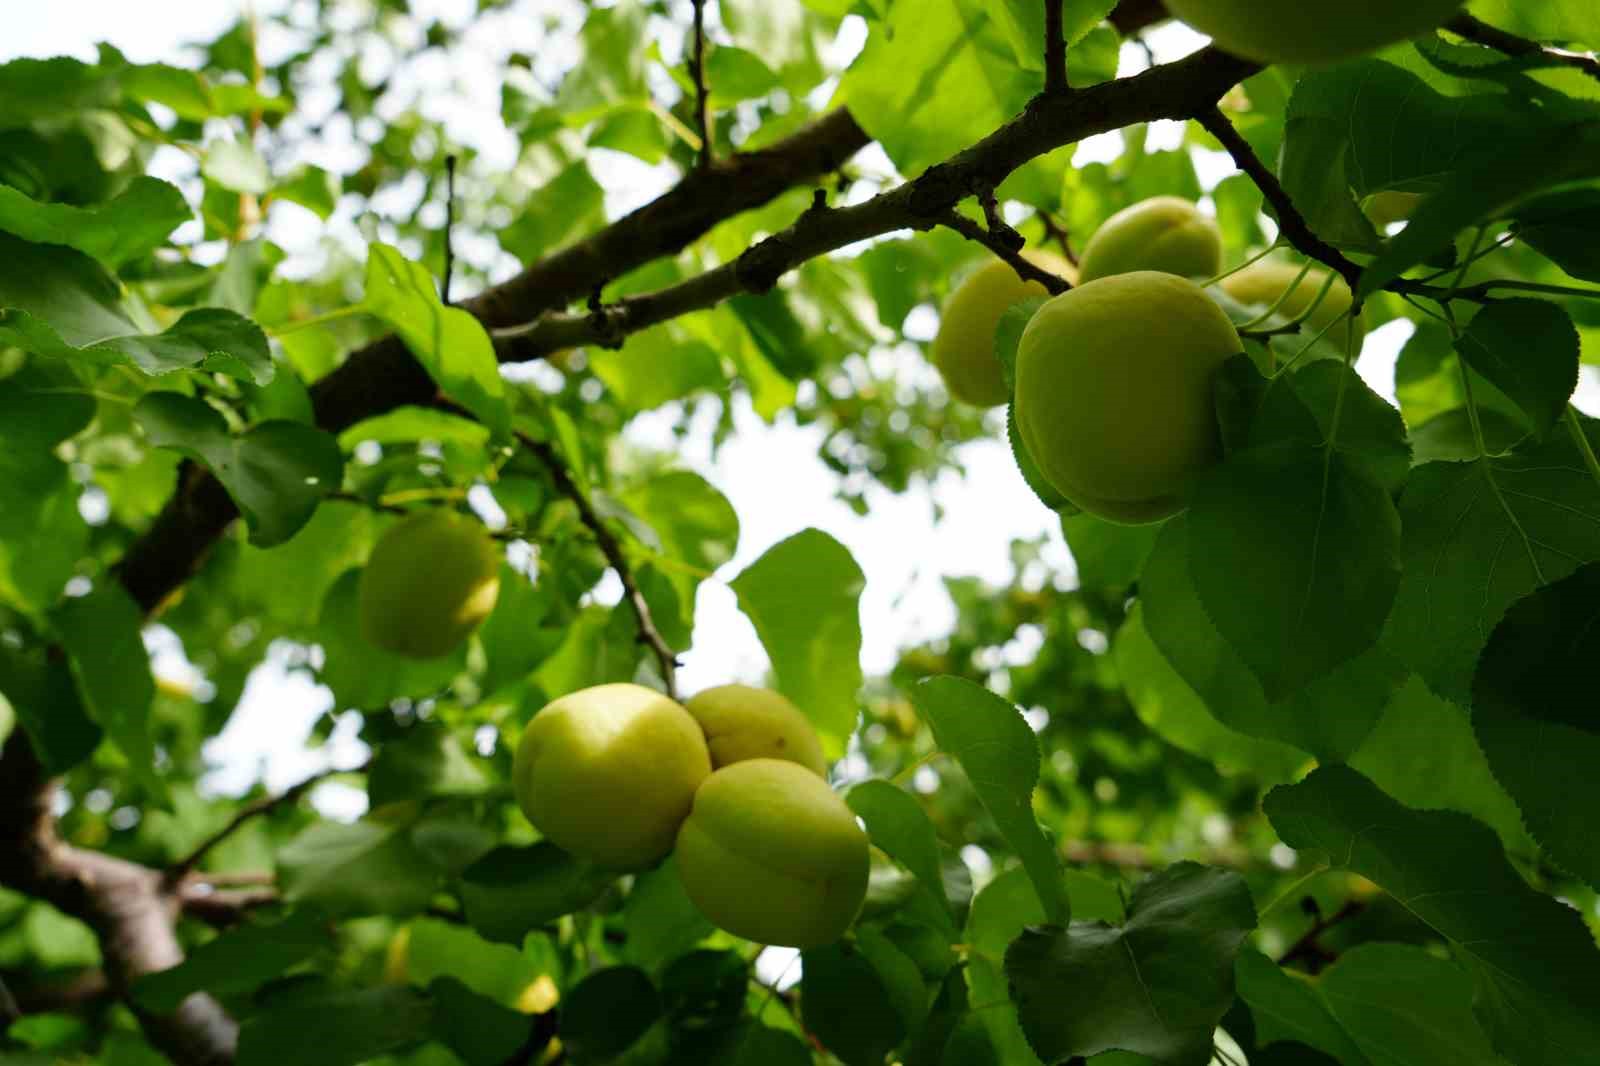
x=1055, y=49
x=1131, y=16
x=1493, y=37
x=649, y=634
x=1025, y=269
x=1175, y=90
x=383, y=375
x=702, y=93
x=1292, y=223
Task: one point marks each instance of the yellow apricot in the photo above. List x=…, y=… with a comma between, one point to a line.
x=431, y=580
x=963, y=349
x=1261, y=284
x=772, y=854
x=1310, y=31
x=1165, y=233
x=608, y=773
x=1114, y=392
x=741, y=722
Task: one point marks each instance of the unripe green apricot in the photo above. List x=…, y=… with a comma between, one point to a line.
x=772, y=854
x=1165, y=233
x=963, y=350
x=741, y=723
x=609, y=773
x=431, y=580
x=1310, y=31
x=1114, y=392
x=1261, y=284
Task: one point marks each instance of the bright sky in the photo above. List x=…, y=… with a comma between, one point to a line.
x=772, y=476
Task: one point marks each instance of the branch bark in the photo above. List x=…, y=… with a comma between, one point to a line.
x=1055, y=49
x=1509, y=43
x=702, y=93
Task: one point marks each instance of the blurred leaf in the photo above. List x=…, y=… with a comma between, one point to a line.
x=1000, y=755
x=366, y=867
x=438, y=950
x=480, y=1030
x=606, y=1012
x=657, y=366
x=426, y=760
x=1156, y=985
x=237, y=961
x=569, y=204
x=802, y=595
x=335, y=1027
x=237, y=167
x=312, y=188
x=513, y=890
x=138, y=219
x=40, y=690
x=276, y=472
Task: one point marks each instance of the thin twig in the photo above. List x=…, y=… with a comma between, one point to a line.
x=181, y=869
x=1296, y=230
x=449, y=226
x=1512, y=45
x=356, y=498
x=1058, y=233
x=224, y=908
x=649, y=635
x=1028, y=271
x=1307, y=949
x=697, y=68
x=1055, y=49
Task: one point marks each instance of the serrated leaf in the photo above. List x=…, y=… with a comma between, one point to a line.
x=449, y=343
x=1157, y=985
x=1031, y=474
x=1378, y=1005
x=366, y=867
x=276, y=471
x=1529, y=350
x=803, y=597
x=1302, y=551
x=237, y=961
x=1562, y=226
x=335, y=1027
x=1533, y=963
x=1000, y=755
x=513, y=890
x=136, y=220
x=1330, y=717
x=57, y=302
x=898, y=825
x=1479, y=536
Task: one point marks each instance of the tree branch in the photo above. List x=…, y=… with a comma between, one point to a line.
x=1055, y=49
x=702, y=95
x=1509, y=43
x=1307, y=948
x=1026, y=270
x=1293, y=224
x=649, y=634
x=183, y=867
x=9, y=1011
x=1174, y=90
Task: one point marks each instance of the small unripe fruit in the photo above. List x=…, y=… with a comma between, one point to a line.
x=963, y=350
x=608, y=773
x=1310, y=31
x=772, y=854
x=741, y=723
x=1263, y=282
x=1165, y=233
x=432, y=579
x=1114, y=392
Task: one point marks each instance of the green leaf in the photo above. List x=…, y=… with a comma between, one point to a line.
x=1561, y=226
x=240, y=959
x=237, y=167
x=100, y=633
x=1157, y=985
x=898, y=825
x=409, y=425
x=40, y=690
x=567, y=205
x=449, y=343
x=657, y=366
x=846, y=1005
x=1330, y=717
x=1108, y=555
x=42, y=533
x=1529, y=350
x=335, y=1027
x=514, y=890
x=1378, y=1004
x=481, y=1031
x=1000, y=755
x=1534, y=966
x=1478, y=537
x=438, y=950
x=312, y=188
x=734, y=74
x=898, y=972
x=705, y=989
x=1166, y=703
x=803, y=597
x=693, y=523
x=276, y=471
x=58, y=302
x=1023, y=22
x=136, y=220
x=366, y=867
x=1553, y=20
x=1031, y=474
x=1302, y=550
x=426, y=760
x=607, y=1012
x=662, y=922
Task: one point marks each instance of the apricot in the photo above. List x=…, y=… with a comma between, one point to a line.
x=1310, y=31
x=1165, y=233
x=608, y=773
x=741, y=722
x=963, y=349
x=1114, y=392
x=772, y=854
x=431, y=580
x=1263, y=282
